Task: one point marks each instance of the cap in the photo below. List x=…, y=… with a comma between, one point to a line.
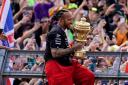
x=72, y=6
x=94, y=9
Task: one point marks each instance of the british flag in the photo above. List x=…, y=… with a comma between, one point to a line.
x=6, y=21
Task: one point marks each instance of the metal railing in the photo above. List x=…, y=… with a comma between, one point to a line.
x=5, y=56
x=110, y=75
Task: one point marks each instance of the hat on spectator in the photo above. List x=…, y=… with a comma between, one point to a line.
x=72, y=6
x=95, y=9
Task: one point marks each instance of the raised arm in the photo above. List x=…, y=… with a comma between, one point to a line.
x=78, y=9
x=28, y=33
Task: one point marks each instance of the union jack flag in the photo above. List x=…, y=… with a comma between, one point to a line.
x=6, y=21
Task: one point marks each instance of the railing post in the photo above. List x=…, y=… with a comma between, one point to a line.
x=118, y=66
x=3, y=53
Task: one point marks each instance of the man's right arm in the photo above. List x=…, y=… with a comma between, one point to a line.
x=58, y=52
x=56, y=45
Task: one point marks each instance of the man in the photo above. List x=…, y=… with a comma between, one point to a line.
x=94, y=16
x=60, y=68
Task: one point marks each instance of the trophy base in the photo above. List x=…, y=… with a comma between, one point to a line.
x=80, y=54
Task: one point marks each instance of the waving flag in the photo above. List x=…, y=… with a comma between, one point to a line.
x=6, y=21
x=70, y=37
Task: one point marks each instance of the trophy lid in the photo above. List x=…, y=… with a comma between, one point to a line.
x=82, y=24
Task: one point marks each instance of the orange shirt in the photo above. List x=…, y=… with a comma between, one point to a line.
x=121, y=37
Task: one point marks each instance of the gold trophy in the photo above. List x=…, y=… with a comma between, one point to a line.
x=81, y=30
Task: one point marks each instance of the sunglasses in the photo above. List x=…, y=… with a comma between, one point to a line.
x=26, y=13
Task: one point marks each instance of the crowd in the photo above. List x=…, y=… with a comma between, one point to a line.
x=109, y=31
x=27, y=63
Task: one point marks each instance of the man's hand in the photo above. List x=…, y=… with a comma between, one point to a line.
x=25, y=19
x=37, y=25
x=58, y=52
x=23, y=3
x=124, y=8
x=84, y=3
x=110, y=9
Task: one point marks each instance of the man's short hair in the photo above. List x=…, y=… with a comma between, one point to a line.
x=59, y=14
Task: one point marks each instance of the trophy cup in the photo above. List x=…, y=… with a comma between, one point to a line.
x=81, y=30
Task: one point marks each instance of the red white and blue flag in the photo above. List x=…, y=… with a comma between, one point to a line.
x=6, y=21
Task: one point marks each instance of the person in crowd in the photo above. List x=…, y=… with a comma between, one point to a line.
x=94, y=16
x=15, y=6
x=121, y=32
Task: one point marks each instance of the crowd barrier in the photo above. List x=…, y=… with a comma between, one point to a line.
x=19, y=56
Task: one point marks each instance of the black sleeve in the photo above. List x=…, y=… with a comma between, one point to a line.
x=55, y=40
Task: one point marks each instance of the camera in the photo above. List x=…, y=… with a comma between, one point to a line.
x=118, y=7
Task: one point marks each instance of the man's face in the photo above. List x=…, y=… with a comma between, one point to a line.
x=93, y=16
x=28, y=13
x=68, y=19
